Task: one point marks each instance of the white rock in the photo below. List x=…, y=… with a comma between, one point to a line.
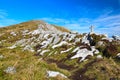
x=60, y=44
x=76, y=49
x=105, y=35
x=96, y=51
x=72, y=37
x=10, y=70
x=39, y=30
x=21, y=42
x=12, y=47
x=64, y=36
x=55, y=52
x=45, y=28
x=100, y=43
x=13, y=33
x=118, y=55
x=85, y=41
x=116, y=37
x=36, y=32
x=77, y=40
x=56, y=39
x=1, y=56
x=29, y=48
x=39, y=50
x=66, y=50
x=99, y=56
x=93, y=48
x=51, y=28
x=44, y=51
x=24, y=32
x=83, y=53
x=46, y=36
x=109, y=39
x=46, y=43
x=51, y=53
x=55, y=73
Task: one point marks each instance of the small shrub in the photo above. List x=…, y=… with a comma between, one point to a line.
x=110, y=51
x=96, y=38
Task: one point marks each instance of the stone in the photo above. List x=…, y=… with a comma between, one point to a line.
x=100, y=43
x=118, y=55
x=10, y=70
x=1, y=56
x=99, y=57
x=55, y=73
x=116, y=37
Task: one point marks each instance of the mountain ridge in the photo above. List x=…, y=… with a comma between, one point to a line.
x=32, y=24
x=57, y=54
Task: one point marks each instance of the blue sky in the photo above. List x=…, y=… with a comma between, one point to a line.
x=76, y=15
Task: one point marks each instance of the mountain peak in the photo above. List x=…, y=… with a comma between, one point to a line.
x=33, y=25
x=51, y=51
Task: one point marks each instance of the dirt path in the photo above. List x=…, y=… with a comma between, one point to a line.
x=77, y=75
x=60, y=64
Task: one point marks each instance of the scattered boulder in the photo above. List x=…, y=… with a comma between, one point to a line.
x=108, y=39
x=116, y=37
x=28, y=47
x=118, y=56
x=100, y=43
x=44, y=51
x=85, y=40
x=1, y=56
x=86, y=44
x=12, y=47
x=66, y=50
x=82, y=53
x=60, y=44
x=13, y=33
x=55, y=74
x=99, y=57
x=10, y=70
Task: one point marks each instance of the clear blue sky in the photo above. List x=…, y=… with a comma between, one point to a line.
x=77, y=15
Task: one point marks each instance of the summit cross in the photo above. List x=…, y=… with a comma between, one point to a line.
x=91, y=29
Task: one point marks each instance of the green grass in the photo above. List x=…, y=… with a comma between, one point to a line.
x=106, y=69
x=28, y=67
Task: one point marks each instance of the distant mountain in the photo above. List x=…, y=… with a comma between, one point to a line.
x=36, y=50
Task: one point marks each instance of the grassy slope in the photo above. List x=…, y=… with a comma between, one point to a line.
x=62, y=28
x=30, y=67
x=30, y=25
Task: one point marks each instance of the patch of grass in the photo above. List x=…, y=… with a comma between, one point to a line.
x=96, y=38
x=72, y=62
x=106, y=69
x=111, y=50
x=28, y=67
x=61, y=28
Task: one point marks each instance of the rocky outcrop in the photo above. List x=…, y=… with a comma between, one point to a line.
x=116, y=37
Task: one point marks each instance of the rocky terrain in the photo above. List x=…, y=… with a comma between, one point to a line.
x=36, y=50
